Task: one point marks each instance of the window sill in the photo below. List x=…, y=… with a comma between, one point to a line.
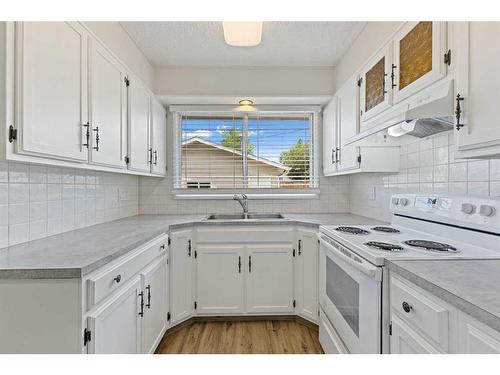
x=253, y=195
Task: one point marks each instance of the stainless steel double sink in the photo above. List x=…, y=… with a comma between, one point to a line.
x=272, y=216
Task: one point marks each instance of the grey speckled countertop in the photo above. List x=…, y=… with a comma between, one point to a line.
x=472, y=286
x=77, y=253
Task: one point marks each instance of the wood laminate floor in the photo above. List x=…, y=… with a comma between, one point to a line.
x=242, y=337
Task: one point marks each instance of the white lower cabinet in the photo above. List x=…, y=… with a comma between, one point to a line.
x=404, y=340
x=154, y=285
x=269, y=278
x=115, y=327
x=306, y=264
x=423, y=323
x=475, y=337
x=181, y=275
x=219, y=279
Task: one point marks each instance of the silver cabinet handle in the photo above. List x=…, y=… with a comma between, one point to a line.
x=96, y=130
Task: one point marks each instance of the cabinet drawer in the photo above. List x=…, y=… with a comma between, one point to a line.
x=420, y=311
x=250, y=234
x=111, y=277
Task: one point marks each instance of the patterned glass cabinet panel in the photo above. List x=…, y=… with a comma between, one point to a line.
x=375, y=93
x=419, y=50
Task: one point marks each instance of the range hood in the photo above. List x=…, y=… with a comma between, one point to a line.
x=425, y=113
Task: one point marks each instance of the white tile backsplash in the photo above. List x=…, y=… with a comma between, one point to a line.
x=427, y=165
x=39, y=201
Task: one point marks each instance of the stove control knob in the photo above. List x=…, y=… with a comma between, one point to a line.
x=404, y=201
x=468, y=208
x=486, y=210
x=395, y=201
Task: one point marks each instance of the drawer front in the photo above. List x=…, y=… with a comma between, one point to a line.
x=110, y=278
x=420, y=311
x=250, y=234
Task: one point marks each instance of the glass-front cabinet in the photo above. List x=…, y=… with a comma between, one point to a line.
x=419, y=57
x=375, y=94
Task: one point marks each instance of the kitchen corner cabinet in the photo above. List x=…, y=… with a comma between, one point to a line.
x=423, y=323
x=340, y=122
x=118, y=308
x=106, y=130
x=51, y=90
x=70, y=102
x=306, y=287
x=181, y=275
x=477, y=89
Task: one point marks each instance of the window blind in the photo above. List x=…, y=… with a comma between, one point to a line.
x=245, y=151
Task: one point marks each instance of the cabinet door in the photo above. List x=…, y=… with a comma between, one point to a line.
x=375, y=94
x=269, y=278
x=51, y=87
x=478, y=48
x=476, y=338
x=406, y=341
x=348, y=124
x=154, y=283
x=159, y=138
x=419, y=50
x=330, y=137
x=108, y=108
x=116, y=325
x=219, y=278
x=140, y=153
x=306, y=265
x=181, y=276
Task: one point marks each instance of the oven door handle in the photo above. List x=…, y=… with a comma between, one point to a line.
x=372, y=271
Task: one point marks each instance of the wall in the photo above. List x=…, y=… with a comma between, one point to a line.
x=427, y=166
x=39, y=201
x=244, y=82
x=117, y=39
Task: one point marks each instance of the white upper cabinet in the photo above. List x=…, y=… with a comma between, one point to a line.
x=140, y=154
x=158, y=138
x=108, y=108
x=419, y=49
x=330, y=137
x=477, y=89
x=51, y=90
x=348, y=125
x=375, y=85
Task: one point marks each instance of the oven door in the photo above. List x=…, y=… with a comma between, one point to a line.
x=351, y=296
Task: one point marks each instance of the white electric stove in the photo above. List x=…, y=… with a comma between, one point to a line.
x=353, y=280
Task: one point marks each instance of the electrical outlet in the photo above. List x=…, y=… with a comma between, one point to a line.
x=373, y=193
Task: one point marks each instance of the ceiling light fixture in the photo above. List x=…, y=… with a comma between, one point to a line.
x=245, y=102
x=245, y=105
x=242, y=34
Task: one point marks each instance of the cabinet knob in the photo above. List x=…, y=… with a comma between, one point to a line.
x=118, y=278
x=407, y=307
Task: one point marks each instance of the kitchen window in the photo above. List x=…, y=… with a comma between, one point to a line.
x=214, y=151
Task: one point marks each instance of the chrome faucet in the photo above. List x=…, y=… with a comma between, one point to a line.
x=243, y=201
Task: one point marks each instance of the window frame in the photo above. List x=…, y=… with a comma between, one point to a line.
x=178, y=111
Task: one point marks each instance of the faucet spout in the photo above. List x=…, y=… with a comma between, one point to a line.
x=243, y=201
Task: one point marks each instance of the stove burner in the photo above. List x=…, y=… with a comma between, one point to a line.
x=386, y=229
x=384, y=246
x=351, y=230
x=432, y=246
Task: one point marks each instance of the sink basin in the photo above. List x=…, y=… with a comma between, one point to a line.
x=242, y=216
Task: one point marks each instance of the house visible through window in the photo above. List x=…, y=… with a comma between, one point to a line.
x=245, y=151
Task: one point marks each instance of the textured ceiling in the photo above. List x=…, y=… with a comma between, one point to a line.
x=283, y=43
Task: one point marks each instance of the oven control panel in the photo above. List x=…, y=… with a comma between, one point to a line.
x=475, y=212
